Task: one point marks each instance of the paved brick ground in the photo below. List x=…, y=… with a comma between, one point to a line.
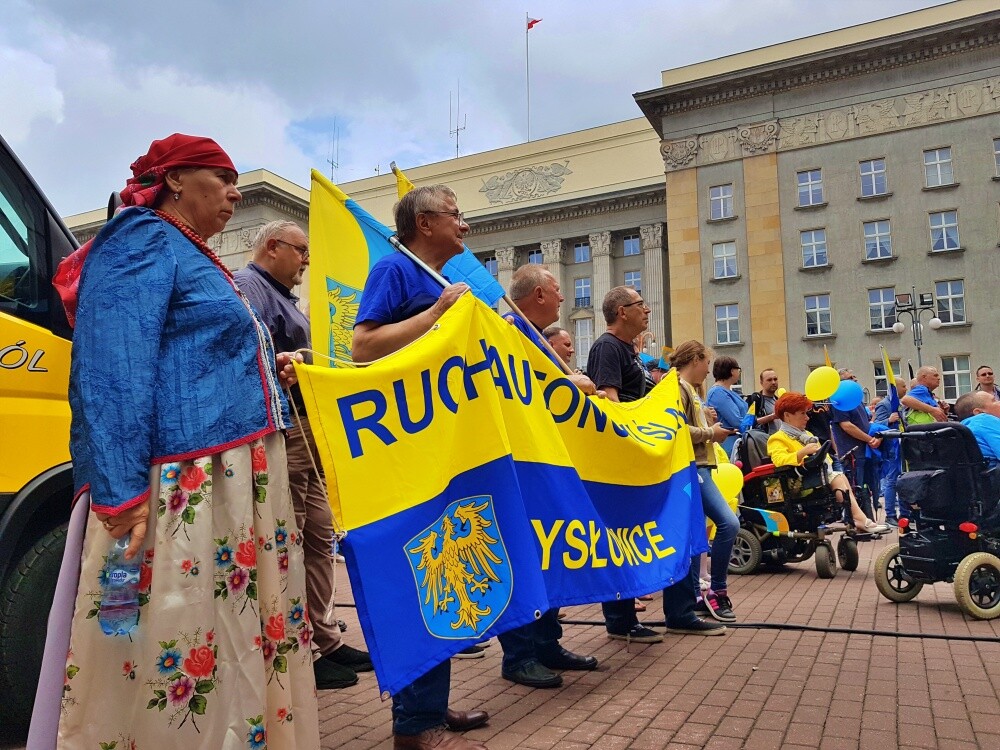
x=752, y=688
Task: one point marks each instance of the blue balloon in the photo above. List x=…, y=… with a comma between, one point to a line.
x=848, y=395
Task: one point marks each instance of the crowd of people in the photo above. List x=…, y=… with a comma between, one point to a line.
x=189, y=448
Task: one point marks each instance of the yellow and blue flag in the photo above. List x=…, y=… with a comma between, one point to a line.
x=890, y=378
x=480, y=487
x=346, y=242
x=344, y=246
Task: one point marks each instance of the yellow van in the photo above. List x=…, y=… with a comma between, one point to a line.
x=36, y=482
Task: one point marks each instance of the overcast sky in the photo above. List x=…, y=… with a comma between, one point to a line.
x=85, y=86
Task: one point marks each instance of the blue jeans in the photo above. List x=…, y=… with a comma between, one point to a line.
x=726, y=526
x=422, y=704
x=890, y=473
x=534, y=640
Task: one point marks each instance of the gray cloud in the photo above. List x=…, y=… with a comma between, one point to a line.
x=94, y=83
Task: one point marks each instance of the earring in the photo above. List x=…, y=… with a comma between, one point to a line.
x=177, y=196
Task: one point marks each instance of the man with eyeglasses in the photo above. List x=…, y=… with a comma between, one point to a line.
x=400, y=303
x=987, y=382
x=280, y=256
x=615, y=368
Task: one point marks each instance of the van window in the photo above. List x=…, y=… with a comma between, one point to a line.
x=23, y=247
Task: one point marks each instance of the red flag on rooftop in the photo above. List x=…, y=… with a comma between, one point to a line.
x=533, y=21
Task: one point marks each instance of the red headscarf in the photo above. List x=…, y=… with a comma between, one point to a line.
x=148, y=174
x=173, y=152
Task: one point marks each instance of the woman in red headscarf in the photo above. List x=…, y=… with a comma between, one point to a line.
x=176, y=443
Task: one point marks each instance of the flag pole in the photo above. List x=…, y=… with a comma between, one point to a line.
x=394, y=241
x=527, y=74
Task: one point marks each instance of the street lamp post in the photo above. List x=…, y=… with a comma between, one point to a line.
x=914, y=307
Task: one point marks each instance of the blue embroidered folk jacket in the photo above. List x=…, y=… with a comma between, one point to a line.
x=169, y=363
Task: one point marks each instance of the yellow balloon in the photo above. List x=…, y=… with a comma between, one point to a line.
x=729, y=479
x=780, y=392
x=822, y=383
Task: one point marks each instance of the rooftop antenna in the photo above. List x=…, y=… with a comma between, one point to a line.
x=458, y=109
x=378, y=169
x=334, y=160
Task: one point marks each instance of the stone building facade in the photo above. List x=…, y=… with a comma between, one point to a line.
x=809, y=183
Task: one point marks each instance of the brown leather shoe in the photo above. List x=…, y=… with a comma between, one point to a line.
x=462, y=721
x=434, y=739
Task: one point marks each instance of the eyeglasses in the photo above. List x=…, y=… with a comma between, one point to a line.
x=638, y=302
x=454, y=214
x=302, y=251
x=986, y=374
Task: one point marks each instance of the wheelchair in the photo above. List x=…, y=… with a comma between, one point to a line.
x=953, y=531
x=786, y=513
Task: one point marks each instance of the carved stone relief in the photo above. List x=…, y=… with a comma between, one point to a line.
x=505, y=258
x=759, y=138
x=600, y=244
x=677, y=154
x=523, y=184
x=552, y=252
x=963, y=100
x=651, y=236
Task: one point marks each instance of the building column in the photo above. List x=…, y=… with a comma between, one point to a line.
x=651, y=236
x=505, y=269
x=684, y=257
x=768, y=323
x=601, y=283
x=552, y=256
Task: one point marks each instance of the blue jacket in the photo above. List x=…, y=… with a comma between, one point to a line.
x=168, y=361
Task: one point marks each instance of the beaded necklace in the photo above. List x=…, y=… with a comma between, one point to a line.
x=196, y=239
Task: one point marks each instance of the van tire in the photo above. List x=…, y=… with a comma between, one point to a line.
x=25, y=601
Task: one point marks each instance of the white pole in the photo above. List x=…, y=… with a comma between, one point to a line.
x=527, y=75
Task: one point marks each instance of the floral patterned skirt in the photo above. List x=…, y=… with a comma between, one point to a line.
x=221, y=657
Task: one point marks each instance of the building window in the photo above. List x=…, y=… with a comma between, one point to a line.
x=813, y=248
x=634, y=280
x=583, y=337
x=490, y=264
x=810, y=187
x=581, y=292
x=944, y=231
x=631, y=243
x=724, y=260
x=720, y=199
x=881, y=382
x=956, y=375
x=996, y=155
x=581, y=252
x=950, y=300
x=818, y=319
x=881, y=308
x=727, y=324
x=878, y=240
x=536, y=257
x=937, y=167
x=873, y=178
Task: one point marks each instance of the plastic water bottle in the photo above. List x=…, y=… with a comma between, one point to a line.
x=119, y=610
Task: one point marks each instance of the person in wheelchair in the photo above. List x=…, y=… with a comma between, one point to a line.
x=980, y=412
x=792, y=444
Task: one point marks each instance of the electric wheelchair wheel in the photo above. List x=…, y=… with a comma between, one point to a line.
x=746, y=555
x=847, y=553
x=891, y=578
x=977, y=585
x=826, y=563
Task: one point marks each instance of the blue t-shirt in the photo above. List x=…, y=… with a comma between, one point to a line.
x=533, y=334
x=859, y=418
x=923, y=394
x=986, y=428
x=731, y=409
x=396, y=290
